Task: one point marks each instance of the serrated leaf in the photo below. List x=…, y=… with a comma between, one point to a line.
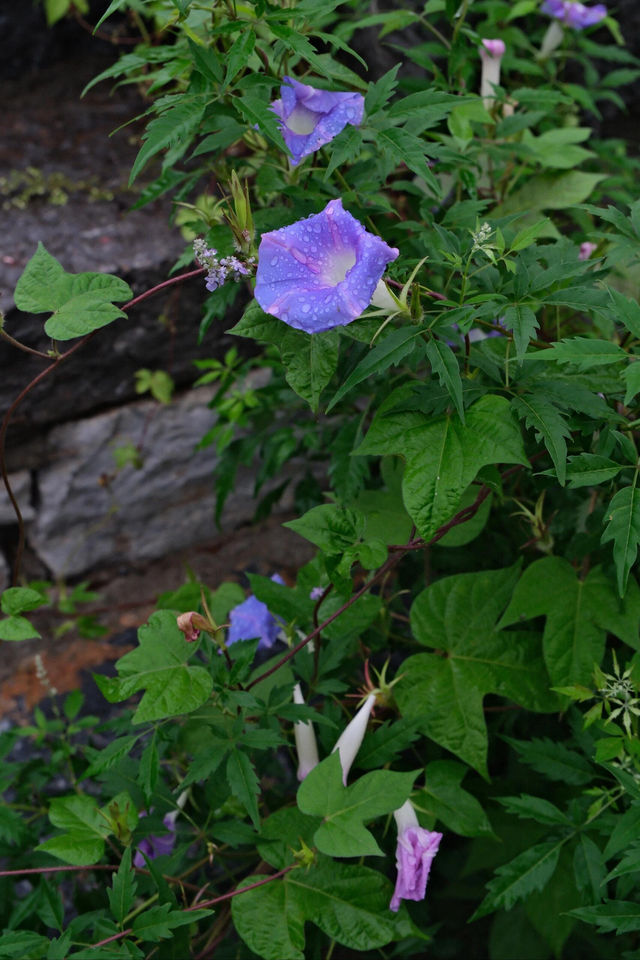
x=588, y=867
x=624, y=832
x=156, y=923
x=238, y=54
x=584, y=352
x=623, y=519
x=159, y=666
x=521, y=320
x=554, y=760
x=632, y=382
x=444, y=798
x=123, y=888
x=149, y=768
x=443, y=455
x=550, y=191
x=310, y=361
x=83, y=843
x=244, y=783
x=590, y=469
x=535, y=808
x=630, y=863
x=175, y=127
x=515, y=880
x=386, y=353
x=23, y=945
x=579, y=613
x=443, y=695
x=614, y=916
x=549, y=425
x=407, y=148
x=444, y=363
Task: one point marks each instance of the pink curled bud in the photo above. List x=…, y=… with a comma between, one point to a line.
x=191, y=624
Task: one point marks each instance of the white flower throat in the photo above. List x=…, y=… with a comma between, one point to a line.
x=338, y=265
x=302, y=120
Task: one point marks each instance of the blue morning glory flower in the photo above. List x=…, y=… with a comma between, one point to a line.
x=252, y=619
x=310, y=118
x=320, y=272
x=574, y=14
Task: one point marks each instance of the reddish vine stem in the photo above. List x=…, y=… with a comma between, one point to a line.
x=96, y=866
x=6, y=420
x=398, y=551
x=205, y=903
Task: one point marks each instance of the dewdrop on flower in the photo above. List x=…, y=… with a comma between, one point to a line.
x=309, y=117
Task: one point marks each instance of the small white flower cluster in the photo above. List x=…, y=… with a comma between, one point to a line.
x=481, y=237
x=218, y=271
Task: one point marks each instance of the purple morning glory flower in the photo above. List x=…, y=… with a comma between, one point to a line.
x=574, y=14
x=320, y=272
x=252, y=619
x=310, y=118
x=156, y=846
x=414, y=854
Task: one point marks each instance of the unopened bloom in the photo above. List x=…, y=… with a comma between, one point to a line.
x=191, y=623
x=586, y=249
x=252, y=619
x=320, y=272
x=157, y=846
x=306, y=745
x=491, y=54
x=414, y=854
x=310, y=117
x=350, y=740
x=219, y=270
x=574, y=14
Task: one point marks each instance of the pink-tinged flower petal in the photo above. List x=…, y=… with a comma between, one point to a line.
x=310, y=117
x=586, y=249
x=320, y=272
x=495, y=48
x=574, y=14
x=190, y=623
x=252, y=619
x=414, y=854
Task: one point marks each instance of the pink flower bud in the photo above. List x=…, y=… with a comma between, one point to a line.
x=191, y=624
x=586, y=249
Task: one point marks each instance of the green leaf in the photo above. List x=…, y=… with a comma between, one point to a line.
x=589, y=470
x=584, y=352
x=80, y=316
x=624, y=833
x=174, y=128
x=156, y=923
x=310, y=361
x=554, y=760
x=330, y=527
x=614, y=916
x=443, y=455
x=244, y=783
x=444, y=798
x=19, y=599
x=149, y=768
x=159, y=667
x=623, y=519
x=381, y=91
x=17, y=628
x=23, y=945
x=238, y=54
x=550, y=191
x=444, y=694
x=270, y=919
x=465, y=532
x=535, y=808
x=444, y=363
x=123, y=888
x=388, y=352
x=549, y=425
x=344, y=809
x=579, y=613
x=405, y=147
x=35, y=290
x=522, y=321
x=83, y=843
x=630, y=863
x=282, y=833
x=588, y=867
x=632, y=382
x=529, y=871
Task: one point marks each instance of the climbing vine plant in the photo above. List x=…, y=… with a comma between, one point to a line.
x=437, y=259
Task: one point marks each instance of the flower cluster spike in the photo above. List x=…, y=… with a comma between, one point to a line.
x=310, y=117
x=320, y=272
x=219, y=270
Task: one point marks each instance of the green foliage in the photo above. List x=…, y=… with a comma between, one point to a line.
x=462, y=458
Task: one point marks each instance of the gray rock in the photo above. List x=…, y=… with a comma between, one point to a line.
x=21, y=486
x=4, y=573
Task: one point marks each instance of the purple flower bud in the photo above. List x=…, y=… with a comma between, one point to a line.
x=310, y=118
x=586, y=249
x=574, y=14
x=157, y=846
x=320, y=272
x=316, y=593
x=252, y=619
x=495, y=48
x=350, y=740
x=414, y=854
